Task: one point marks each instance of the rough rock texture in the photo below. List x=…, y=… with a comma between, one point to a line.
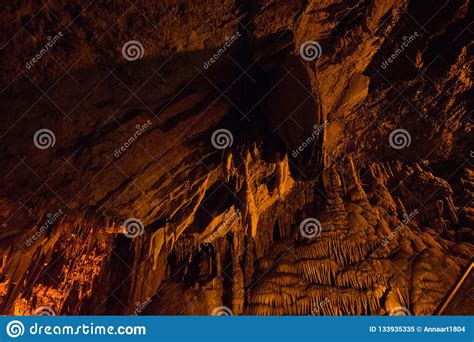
x=388, y=227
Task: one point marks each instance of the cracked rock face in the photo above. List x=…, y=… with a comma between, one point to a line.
x=250, y=157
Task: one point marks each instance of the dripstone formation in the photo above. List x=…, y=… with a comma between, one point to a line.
x=342, y=184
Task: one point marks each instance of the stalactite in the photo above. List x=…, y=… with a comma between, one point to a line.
x=238, y=286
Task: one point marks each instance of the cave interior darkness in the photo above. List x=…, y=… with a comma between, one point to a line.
x=241, y=157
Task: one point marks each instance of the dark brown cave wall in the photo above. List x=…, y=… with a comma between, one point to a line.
x=223, y=227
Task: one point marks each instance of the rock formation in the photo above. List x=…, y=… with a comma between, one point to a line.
x=281, y=157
